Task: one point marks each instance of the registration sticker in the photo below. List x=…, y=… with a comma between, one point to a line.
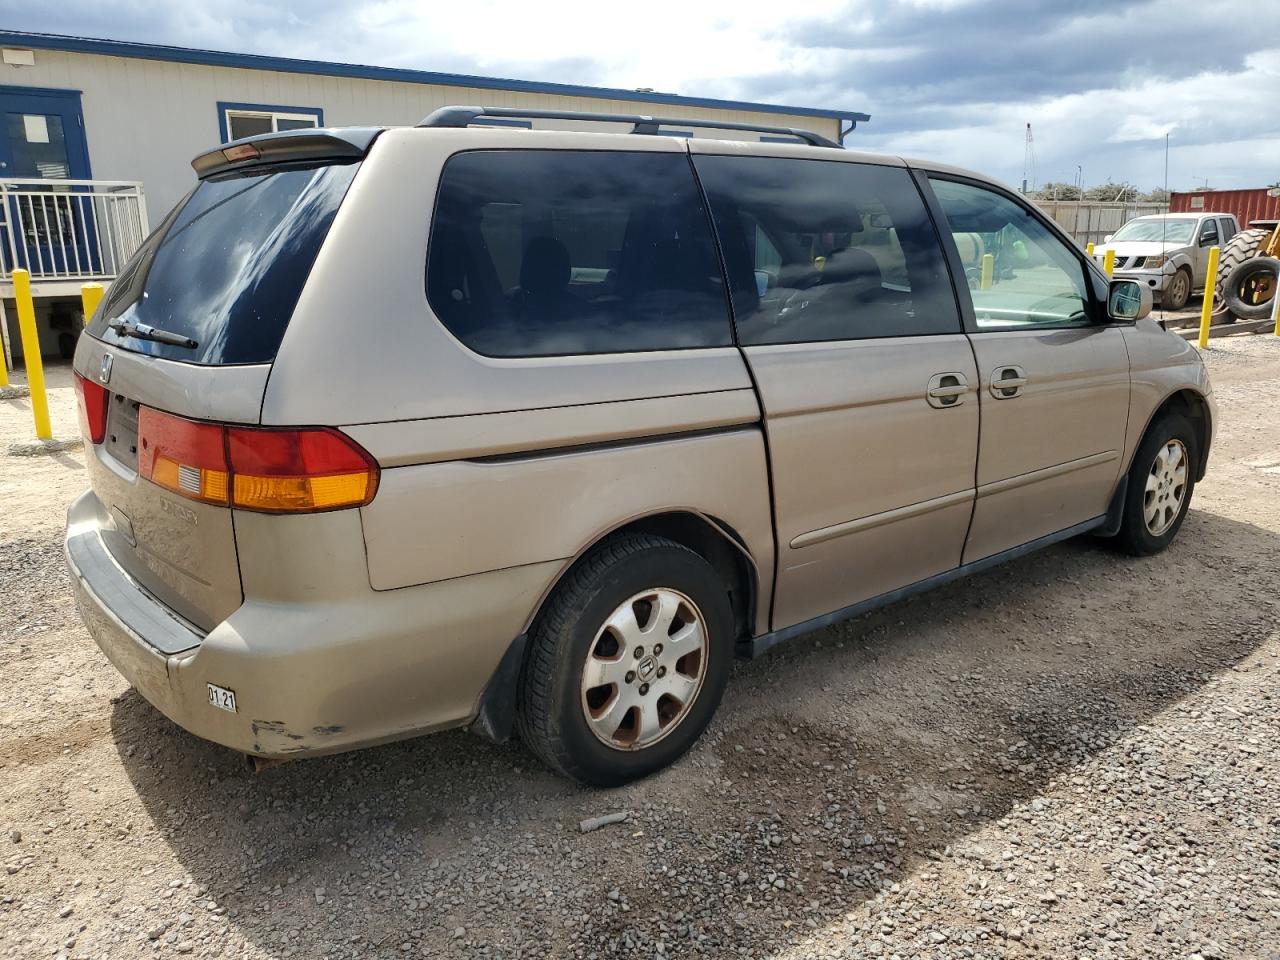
x=222, y=698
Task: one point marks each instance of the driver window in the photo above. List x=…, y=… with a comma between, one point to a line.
x=1018, y=272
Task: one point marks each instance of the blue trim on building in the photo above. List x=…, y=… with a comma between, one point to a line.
x=248, y=61
x=224, y=130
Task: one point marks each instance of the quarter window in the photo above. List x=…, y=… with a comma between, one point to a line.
x=1018, y=272
x=541, y=253
x=819, y=250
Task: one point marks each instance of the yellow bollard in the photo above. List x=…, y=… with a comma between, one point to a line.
x=90, y=297
x=1088, y=248
x=31, y=353
x=1109, y=262
x=988, y=268
x=1206, y=308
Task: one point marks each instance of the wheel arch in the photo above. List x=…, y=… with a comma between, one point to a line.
x=709, y=537
x=1193, y=405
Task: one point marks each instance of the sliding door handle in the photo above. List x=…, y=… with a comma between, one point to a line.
x=947, y=389
x=1008, y=382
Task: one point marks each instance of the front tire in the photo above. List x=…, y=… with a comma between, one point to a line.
x=1161, y=481
x=627, y=661
x=1179, y=292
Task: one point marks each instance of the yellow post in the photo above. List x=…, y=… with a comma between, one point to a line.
x=31, y=353
x=988, y=268
x=1206, y=309
x=1088, y=248
x=1109, y=262
x=90, y=297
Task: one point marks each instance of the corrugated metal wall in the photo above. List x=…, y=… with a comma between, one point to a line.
x=146, y=119
x=1247, y=205
x=1090, y=221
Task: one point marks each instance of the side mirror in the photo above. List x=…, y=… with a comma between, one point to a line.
x=1128, y=300
x=1107, y=238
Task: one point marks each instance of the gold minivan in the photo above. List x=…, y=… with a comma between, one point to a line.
x=395, y=430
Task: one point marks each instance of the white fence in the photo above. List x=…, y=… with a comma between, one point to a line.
x=70, y=229
x=1089, y=221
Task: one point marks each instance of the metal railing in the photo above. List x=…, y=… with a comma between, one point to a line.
x=70, y=229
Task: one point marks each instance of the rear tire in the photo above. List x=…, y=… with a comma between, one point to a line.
x=1161, y=481
x=627, y=661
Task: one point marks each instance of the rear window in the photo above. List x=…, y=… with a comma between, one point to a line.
x=543, y=253
x=227, y=266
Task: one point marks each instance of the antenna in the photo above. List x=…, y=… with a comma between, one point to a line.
x=1029, y=161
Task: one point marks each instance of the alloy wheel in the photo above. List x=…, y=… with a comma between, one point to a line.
x=644, y=669
x=1166, y=487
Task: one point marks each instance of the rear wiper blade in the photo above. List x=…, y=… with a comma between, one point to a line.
x=141, y=331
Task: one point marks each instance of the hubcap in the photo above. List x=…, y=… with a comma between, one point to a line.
x=644, y=669
x=1166, y=487
x=1178, y=286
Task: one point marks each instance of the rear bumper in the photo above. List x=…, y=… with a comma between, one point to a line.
x=324, y=672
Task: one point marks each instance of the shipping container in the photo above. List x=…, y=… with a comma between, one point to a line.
x=1247, y=205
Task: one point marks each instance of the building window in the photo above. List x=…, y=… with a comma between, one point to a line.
x=238, y=120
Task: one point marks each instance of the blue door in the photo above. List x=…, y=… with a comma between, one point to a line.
x=49, y=227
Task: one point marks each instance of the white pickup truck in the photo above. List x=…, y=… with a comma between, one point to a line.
x=1168, y=252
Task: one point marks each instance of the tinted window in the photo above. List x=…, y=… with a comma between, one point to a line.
x=227, y=266
x=1018, y=271
x=1209, y=232
x=537, y=253
x=821, y=250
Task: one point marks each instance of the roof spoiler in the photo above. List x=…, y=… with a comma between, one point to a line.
x=290, y=146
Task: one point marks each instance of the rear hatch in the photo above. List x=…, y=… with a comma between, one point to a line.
x=182, y=344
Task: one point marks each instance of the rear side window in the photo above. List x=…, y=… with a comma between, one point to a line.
x=819, y=250
x=544, y=253
x=227, y=266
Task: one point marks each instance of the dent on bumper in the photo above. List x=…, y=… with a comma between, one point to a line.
x=331, y=674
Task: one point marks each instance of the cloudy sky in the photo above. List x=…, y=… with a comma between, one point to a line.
x=1101, y=83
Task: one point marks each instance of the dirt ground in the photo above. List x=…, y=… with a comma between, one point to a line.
x=1077, y=755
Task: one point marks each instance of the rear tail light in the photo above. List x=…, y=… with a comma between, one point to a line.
x=93, y=409
x=287, y=471
x=306, y=470
x=188, y=457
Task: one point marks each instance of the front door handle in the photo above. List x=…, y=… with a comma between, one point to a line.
x=1008, y=382
x=947, y=389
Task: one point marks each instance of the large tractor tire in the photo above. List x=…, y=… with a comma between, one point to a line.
x=1250, y=288
x=1243, y=246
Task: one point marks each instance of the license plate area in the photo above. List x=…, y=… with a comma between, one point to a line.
x=121, y=442
x=222, y=698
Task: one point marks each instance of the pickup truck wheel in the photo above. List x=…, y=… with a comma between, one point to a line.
x=1178, y=292
x=627, y=661
x=1161, y=481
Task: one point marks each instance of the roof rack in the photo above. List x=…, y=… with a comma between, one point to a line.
x=465, y=116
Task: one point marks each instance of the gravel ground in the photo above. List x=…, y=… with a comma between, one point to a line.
x=1077, y=755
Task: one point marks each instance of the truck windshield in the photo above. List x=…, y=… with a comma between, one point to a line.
x=227, y=266
x=1170, y=231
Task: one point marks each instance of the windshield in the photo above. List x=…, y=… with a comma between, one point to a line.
x=227, y=266
x=1170, y=231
